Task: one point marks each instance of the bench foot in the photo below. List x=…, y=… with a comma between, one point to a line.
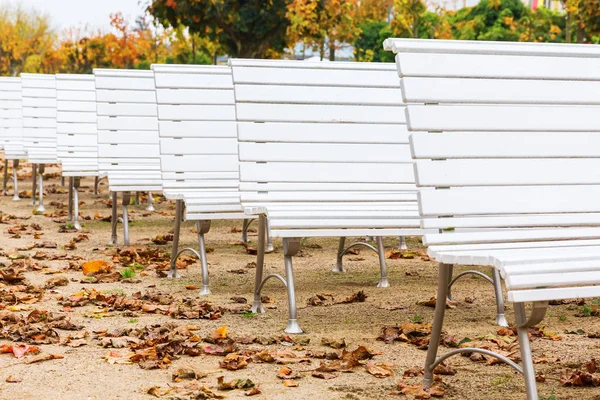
x=126, y=201
x=75, y=201
x=150, y=205
x=176, y=232
x=380, y=250
x=402, y=243
x=339, y=265
x=203, y=227
x=40, y=208
x=497, y=282
x=15, y=181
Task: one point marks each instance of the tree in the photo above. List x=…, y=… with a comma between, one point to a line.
x=244, y=28
x=490, y=20
x=373, y=11
x=322, y=24
x=368, y=46
x=408, y=16
x=584, y=16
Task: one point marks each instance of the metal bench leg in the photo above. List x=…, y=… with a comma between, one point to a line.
x=203, y=227
x=270, y=247
x=114, y=220
x=137, y=198
x=383, y=280
x=62, y=181
x=523, y=323
x=438, y=321
x=402, y=244
x=291, y=246
x=126, y=201
x=40, y=207
x=176, y=231
x=150, y=206
x=5, y=180
x=450, y=282
x=33, y=183
x=260, y=263
x=76, y=183
x=70, y=207
x=15, y=181
x=339, y=265
x=497, y=282
x=245, y=230
x=96, y=182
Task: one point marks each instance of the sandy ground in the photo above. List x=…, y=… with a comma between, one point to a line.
x=84, y=374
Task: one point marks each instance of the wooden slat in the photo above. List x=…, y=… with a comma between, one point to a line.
x=194, y=81
x=126, y=96
x=127, y=110
x=128, y=123
x=197, y=112
x=198, y=146
x=503, y=118
x=208, y=129
x=195, y=96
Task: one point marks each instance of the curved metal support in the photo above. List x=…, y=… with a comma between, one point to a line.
x=34, y=168
x=76, y=182
x=40, y=208
x=260, y=262
x=276, y=276
x=367, y=245
x=70, y=206
x=383, y=279
x=176, y=231
x=478, y=273
x=402, y=244
x=150, y=206
x=126, y=201
x=5, y=180
x=450, y=275
x=15, y=181
x=270, y=247
x=291, y=246
x=454, y=352
x=205, y=290
x=96, y=182
x=339, y=265
x=245, y=230
x=114, y=220
x=203, y=227
x=538, y=312
x=497, y=282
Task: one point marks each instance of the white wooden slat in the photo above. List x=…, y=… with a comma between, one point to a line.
x=324, y=153
x=195, y=96
x=33, y=123
x=550, y=268
x=320, y=113
x=394, y=205
x=38, y=81
x=39, y=102
x=41, y=93
x=319, y=186
x=11, y=104
x=205, y=175
x=498, y=172
x=198, y=146
x=128, y=137
x=70, y=84
x=125, y=96
x=191, y=185
x=499, y=91
x=501, y=236
x=302, y=197
x=309, y=223
x=79, y=106
x=78, y=128
x=193, y=81
x=11, y=123
x=466, y=248
x=205, y=129
x=523, y=296
x=318, y=95
x=124, y=83
x=127, y=110
x=503, y=118
x=508, y=221
x=276, y=75
x=505, y=145
x=205, y=163
x=132, y=150
x=77, y=140
x=197, y=112
x=39, y=112
x=326, y=172
x=76, y=95
x=347, y=232
x=128, y=123
x=77, y=116
x=509, y=200
x=489, y=47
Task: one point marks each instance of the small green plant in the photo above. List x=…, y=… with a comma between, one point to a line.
x=551, y=397
x=136, y=266
x=132, y=321
x=417, y=318
x=586, y=310
x=248, y=314
x=501, y=380
x=562, y=318
x=128, y=273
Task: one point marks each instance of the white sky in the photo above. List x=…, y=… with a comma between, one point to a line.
x=78, y=13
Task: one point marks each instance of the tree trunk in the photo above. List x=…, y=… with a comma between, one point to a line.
x=322, y=50
x=331, y=50
x=580, y=34
x=568, y=26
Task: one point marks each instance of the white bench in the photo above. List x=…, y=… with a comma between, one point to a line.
x=507, y=142
x=39, y=127
x=11, y=128
x=77, y=134
x=323, y=152
x=198, y=150
x=128, y=147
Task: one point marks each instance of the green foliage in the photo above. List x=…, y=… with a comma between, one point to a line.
x=128, y=273
x=368, y=45
x=417, y=318
x=249, y=28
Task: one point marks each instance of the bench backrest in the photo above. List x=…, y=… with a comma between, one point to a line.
x=321, y=132
x=77, y=133
x=128, y=148
x=11, y=118
x=39, y=117
x=198, y=136
x=510, y=138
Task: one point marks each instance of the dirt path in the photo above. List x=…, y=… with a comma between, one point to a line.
x=84, y=372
